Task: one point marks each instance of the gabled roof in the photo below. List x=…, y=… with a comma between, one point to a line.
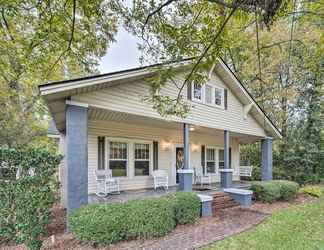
x=54, y=91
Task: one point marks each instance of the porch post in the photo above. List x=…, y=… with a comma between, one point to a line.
x=185, y=174
x=266, y=148
x=76, y=155
x=227, y=172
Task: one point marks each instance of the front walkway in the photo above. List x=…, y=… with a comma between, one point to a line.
x=204, y=232
x=147, y=193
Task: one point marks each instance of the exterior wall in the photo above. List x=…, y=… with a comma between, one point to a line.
x=128, y=98
x=168, y=140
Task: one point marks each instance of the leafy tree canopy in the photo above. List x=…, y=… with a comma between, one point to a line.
x=42, y=41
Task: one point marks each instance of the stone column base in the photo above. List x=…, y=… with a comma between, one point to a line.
x=185, y=179
x=226, y=177
x=206, y=205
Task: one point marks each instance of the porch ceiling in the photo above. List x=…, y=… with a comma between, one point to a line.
x=108, y=115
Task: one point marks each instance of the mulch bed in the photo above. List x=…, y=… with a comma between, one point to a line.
x=204, y=231
x=271, y=208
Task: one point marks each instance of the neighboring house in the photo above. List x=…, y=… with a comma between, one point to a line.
x=104, y=123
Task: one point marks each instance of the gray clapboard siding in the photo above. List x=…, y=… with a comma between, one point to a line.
x=128, y=98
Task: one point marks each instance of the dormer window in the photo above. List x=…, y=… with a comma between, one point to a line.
x=208, y=94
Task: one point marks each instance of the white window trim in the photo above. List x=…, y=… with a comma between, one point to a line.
x=108, y=140
x=222, y=97
x=150, y=159
x=202, y=93
x=130, y=168
x=203, y=96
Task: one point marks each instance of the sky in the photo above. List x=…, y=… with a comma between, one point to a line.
x=123, y=54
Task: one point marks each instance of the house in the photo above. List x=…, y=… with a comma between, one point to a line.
x=104, y=123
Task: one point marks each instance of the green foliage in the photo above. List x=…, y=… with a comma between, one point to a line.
x=26, y=202
x=270, y=191
x=315, y=191
x=43, y=41
x=147, y=218
x=186, y=207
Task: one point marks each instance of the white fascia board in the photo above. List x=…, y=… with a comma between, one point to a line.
x=249, y=97
x=55, y=88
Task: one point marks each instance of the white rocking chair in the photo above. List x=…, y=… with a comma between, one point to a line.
x=201, y=178
x=105, y=183
x=161, y=179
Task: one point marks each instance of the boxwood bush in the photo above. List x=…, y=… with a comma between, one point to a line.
x=147, y=218
x=186, y=207
x=270, y=191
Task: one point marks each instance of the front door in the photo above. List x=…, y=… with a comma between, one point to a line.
x=179, y=161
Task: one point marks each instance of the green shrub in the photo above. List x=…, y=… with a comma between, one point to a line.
x=26, y=202
x=288, y=189
x=186, y=207
x=311, y=190
x=270, y=191
x=108, y=223
x=147, y=218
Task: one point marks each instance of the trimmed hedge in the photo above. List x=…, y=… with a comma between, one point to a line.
x=147, y=218
x=270, y=191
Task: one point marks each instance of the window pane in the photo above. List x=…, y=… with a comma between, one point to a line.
x=142, y=168
x=210, y=154
x=211, y=167
x=118, y=150
x=118, y=168
x=218, y=96
x=221, y=164
x=209, y=94
x=197, y=91
x=142, y=151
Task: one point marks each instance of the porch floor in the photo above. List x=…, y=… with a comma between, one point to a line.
x=147, y=193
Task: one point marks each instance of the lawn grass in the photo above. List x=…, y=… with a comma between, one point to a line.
x=296, y=228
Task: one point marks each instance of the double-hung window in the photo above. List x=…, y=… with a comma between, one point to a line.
x=197, y=92
x=142, y=159
x=210, y=161
x=219, y=95
x=208, y=94
x=118, y=158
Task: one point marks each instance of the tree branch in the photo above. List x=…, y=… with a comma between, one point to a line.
x=6, y=25
x=70, y=40
x=205, y=52
x=155, y=12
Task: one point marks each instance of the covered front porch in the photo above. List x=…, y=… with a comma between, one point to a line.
x=151, y=193
x=134, y=146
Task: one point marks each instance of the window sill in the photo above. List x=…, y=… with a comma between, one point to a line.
x=209, y=105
